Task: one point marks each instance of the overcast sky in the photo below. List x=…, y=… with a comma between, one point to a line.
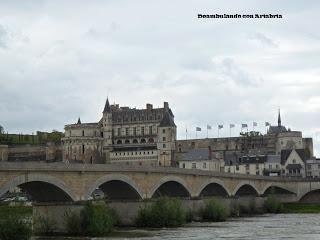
x=61, y=59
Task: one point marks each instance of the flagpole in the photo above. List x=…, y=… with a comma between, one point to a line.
x=207, y=131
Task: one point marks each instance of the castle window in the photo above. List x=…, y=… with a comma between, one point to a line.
x=142, y=131
x=164, y=145
x=119, y=142
x=194, y=165
x=150, y=130
x=163, y=131
x=204, y=165
x=119, y=131
x=82, y=132
x=127, y=141
x=164, y=139
x=150, y=140
x=101, y=134
x=143, y=140
x=82, y=149
x=135, y=141
x=183, y=165
x=134, y=131
x=70, y=133
x=127, y=131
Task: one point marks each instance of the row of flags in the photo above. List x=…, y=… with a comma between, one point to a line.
x=243, y=125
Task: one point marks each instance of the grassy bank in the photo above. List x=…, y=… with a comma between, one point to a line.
x=301, y=208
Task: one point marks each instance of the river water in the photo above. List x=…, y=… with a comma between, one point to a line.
x=275, y=226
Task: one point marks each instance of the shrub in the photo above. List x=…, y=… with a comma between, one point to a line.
x=97, y=220
x=73, y=223
x=234, y=209
x=44, y=225
x=272, y=205
x=214, y=211
x=15, y=228
x=164, y=212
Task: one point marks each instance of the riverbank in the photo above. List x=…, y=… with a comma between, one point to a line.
x=236, y=213
x=301, y=208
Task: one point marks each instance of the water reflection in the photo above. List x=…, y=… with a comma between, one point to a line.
x=281, y=226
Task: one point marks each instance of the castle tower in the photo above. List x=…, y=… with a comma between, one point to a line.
x=167, y=134
x=106, y=131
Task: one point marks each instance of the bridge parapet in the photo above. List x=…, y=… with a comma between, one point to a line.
x=78, y=181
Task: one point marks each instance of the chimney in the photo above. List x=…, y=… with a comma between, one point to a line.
x=209, y=153
x=149, y=106
x=166, y=105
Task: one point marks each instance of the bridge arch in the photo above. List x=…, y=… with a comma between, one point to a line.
x=53, y=183
x=312, y=196
x=277, y=188
x=178, y=185
x=119, y=179
x=217, y=184
x=245, y=186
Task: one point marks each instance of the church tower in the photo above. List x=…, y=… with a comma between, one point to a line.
x=279, y=119
x=106, y=131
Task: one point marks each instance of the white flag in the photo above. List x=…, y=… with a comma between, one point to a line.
x=244, y=125
x=220, y=126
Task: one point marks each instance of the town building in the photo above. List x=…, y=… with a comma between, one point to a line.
x=313, y=168
x=293, y=162
x=273, y=166
x=255, y=153
x=202, y=158
x=123, y=135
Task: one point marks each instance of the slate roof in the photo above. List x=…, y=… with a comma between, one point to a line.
x=253, y=159
x=231, y=159
x=167, y=121
x=277, y=129
x=196, y=154
x=107, y=107
x=286, y=153
x=294, y=166
x=273, y=158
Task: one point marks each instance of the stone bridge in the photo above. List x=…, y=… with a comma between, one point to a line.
x=59, y=182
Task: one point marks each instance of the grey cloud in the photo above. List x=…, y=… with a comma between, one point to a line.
x=264, y=40
x=59, y=68
x=3, y=37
